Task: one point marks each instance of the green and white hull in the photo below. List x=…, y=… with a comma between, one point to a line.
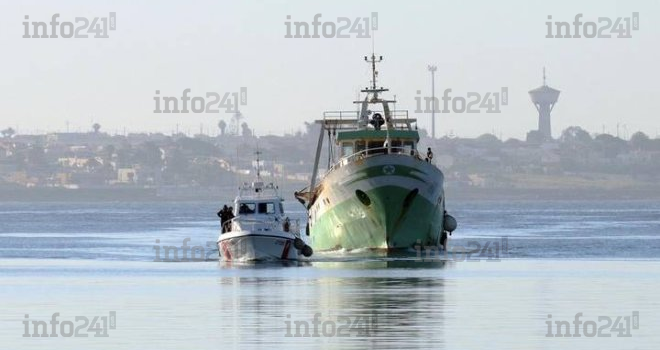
x=379, y=193
x=388, y=201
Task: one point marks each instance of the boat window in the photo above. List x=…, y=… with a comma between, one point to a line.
x=266, y=208
x=376, y=147
x=409, y=146
x=346, y=148
x=396, y=146
x=281, y=208
x=247, y=208
x=360, y=146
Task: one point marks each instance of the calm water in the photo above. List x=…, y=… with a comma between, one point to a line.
x=532, y=263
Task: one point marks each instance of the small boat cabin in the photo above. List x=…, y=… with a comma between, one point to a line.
x=258, y=199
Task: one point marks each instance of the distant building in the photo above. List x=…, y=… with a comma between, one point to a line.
x=126, y=175
x=544, y=99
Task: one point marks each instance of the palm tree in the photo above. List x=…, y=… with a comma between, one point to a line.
x=223, y=126
x=96, y=127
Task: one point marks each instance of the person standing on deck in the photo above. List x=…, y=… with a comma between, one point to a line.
x=223, y=215
x=230, y=217
x=429, y=155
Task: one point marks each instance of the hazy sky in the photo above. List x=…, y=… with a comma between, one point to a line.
x=220, y=46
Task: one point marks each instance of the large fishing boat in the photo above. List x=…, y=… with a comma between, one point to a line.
x=378, y=192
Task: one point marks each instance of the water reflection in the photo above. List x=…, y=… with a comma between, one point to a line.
x=395, y=311
x=405, y=304
x=263, y=265
x=338, y=264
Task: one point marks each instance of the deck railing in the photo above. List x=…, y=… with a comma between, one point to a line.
x=248, y=223
x=372, y=152
x=349, y=119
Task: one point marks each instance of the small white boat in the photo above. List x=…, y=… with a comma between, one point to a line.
x=260, y=230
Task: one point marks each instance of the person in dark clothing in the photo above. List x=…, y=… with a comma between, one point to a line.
x=287, y=224
x=377, y=121
x=230, y=217
x=429, y=155
x=223, y=214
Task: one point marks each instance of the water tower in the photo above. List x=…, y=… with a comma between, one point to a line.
x=544, y=98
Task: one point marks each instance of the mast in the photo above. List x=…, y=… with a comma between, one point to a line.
x=372, y=94
x=258, y=153
x=374, y=73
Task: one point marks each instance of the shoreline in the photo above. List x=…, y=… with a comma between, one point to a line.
x=224, y=193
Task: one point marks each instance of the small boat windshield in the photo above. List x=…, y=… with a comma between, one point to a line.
x=246, y=208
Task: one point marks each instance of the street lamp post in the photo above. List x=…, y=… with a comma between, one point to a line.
x=432, y=69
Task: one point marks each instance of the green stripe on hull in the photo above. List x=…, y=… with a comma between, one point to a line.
x=379, y=170
x=386, y=223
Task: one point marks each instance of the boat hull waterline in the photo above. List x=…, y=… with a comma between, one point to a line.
x=245, y=246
